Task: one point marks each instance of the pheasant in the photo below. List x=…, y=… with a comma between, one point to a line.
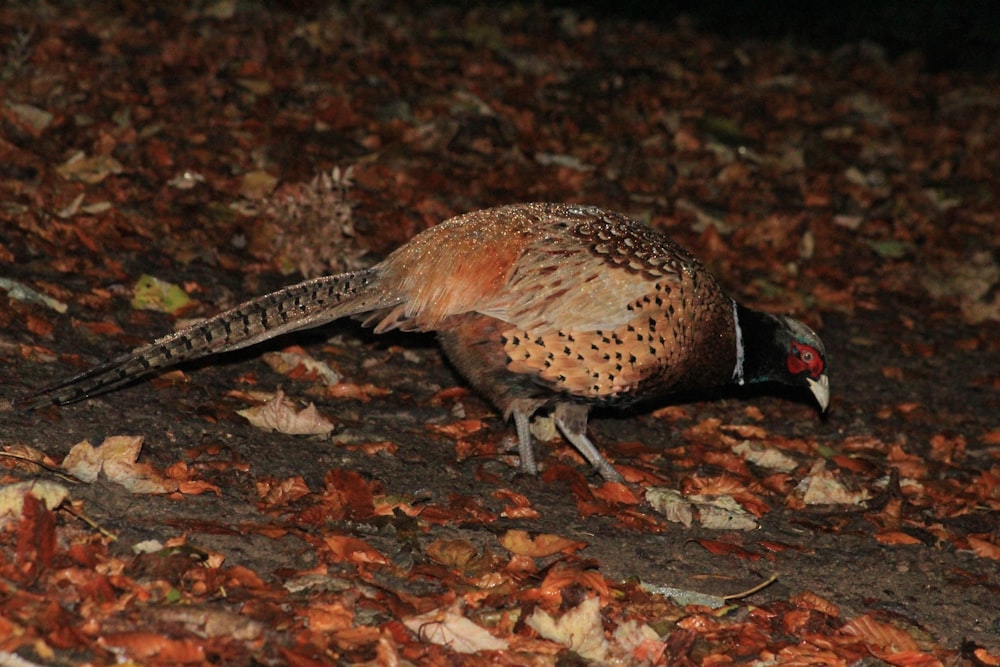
x=539, y=306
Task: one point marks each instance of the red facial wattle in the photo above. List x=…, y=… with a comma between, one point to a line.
x=804, y=359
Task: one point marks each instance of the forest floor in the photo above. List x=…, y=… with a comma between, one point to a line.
x=227, y=150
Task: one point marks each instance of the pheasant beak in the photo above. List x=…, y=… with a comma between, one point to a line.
x=821, y=390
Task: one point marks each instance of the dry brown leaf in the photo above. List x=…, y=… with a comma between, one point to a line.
x=671, y=504
x=297, y=364
x=117, y=457
x=821, y=487
x=881, y=635
x=518, y=542
x=983, y=548
x=765, y=457
x=809, y=600
x=895, y=537
x=280, y=415
x=90, y=170
x=723, y=513
x=453, y=553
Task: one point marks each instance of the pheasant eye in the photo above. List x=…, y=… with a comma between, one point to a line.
x=804, y=359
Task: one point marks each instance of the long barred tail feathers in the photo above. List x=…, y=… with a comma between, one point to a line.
x=301, y=306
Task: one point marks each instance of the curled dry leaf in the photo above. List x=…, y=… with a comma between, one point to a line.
x=581, y=629
x=90, y=170
x=723, y=513
x=821, y=487
x=453, y=553
x=296, y=363
x=280, y=415
x=451, y=629
x=117, y=457
x=880, y=635
x=765, y=457
x=671, y=504
x=983, y=547
x=518, y=542
x=51, y=494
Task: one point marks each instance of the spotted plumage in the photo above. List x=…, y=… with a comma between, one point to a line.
x=538, y=305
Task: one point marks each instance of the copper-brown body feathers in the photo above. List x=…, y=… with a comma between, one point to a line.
x=538, y=305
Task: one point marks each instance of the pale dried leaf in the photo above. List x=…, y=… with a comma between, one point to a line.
x=671, y=504
x=117, y=457
x=90, y=170
x=580, y=629
x=447, y=628
x=723, y=513
x=765, y=457
x=280, y=415
x=52, y=494
x=285, y=362
x=821, y=487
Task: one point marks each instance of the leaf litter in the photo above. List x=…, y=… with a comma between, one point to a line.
x=239, y=151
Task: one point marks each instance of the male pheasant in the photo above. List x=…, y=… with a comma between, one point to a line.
x=538, y=305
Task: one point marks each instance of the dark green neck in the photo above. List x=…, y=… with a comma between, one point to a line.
x=763, y=349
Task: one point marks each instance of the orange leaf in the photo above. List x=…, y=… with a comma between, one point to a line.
x=458, y=429
x=196, y=487
x=352, y=549
x=896, y=537
x=614, y=492
x=808, y=600
x=279, y=492
x=360, y=392
x=880, y=635
x=717, y=548
x=453, y=553
x=329, y=617
x=987, y=658
x=38, y=326
x=36, y=538
x=984, y=548
x=518, y=542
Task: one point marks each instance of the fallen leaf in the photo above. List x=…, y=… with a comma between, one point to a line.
x=983, y=547
x=718, y=548
x=51, y=494
x=151, y=293
x=821, y=487
x=895, y=537
x=580, y=629
x=90, y=170
x=723, y=513
x=453, y=553
x=881, y=635
x=117, y=457
x=280, y=415
x=448, y=628
x=257, y=184
x=298, y=364
x=352, y=549
x=518, y=542
x=642, y=641
x=765, y=457
x=671, y=504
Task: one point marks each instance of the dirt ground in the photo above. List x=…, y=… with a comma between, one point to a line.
x=399, y=96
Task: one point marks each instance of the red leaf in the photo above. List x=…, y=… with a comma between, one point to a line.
x=36, y=538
